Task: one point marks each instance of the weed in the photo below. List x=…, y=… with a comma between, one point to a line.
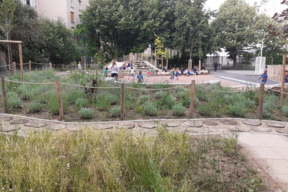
x=86, y=113
x=150, y=109
x=178, y=110
x=115, y=111
x=35, y=107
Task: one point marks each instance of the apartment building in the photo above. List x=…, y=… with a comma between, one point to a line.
x=68, y=10
x=269, y=7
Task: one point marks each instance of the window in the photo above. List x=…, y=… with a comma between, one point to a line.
x=28, y=3
x=80, y=19
x=71, y=3
x=72, y=17
x=80, y=5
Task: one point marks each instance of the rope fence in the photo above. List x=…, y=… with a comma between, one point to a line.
x=191, y=87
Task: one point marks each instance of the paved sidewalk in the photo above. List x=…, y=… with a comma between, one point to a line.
x=270, y=151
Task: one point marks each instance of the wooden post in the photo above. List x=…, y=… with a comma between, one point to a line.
x=29, y=66
x=60, y=104
x=199, y=65
x=261, y=96
x=192, y=99
x=283, y=78
x=10, y=47
x=4, y=93
x=85, y=66
x=13, y=67
x=21, y=61
x=122, y=101
x=50, y=65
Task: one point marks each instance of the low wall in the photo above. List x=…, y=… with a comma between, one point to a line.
x=275, y=72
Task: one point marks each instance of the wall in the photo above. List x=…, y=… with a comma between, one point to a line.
x=52, y=9
x=275, y=72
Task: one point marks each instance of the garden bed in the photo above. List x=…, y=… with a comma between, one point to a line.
x=158, y=101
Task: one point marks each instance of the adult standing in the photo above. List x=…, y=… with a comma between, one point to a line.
x=228, y=65
x=215, y=66
x=114, y=71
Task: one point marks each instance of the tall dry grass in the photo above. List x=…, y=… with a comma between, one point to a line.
x=122, y=161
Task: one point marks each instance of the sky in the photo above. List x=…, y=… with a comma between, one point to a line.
x=215, y=4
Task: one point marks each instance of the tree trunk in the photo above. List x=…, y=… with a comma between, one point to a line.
x=191, y=51
x=234, y=61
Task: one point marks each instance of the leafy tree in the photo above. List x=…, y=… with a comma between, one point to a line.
x=193, y=31
x=273, y=44
x=60, y=42
x=234, y=25
x=7, y=8
x=159, y=47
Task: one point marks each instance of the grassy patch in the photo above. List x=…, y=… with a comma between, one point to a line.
x=121, y=161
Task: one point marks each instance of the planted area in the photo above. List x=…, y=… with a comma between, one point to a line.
x=99, y=100
x=124, y=161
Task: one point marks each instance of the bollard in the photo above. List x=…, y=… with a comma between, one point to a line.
x=4, y=93
x=261, y=96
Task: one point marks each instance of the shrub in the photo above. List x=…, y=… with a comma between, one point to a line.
x=74, y=94
x=266, y=113
x=186, y=102
x=196, y=102
x=180, y=89
x=203, y=96
x=144, y=98
x=160, y=94
x=13, y=100
x=249, y=103
x=111, y=99
x=238, y=109
x=27, y=94
x=144, y=91
x=181, y=94
x=22, y=88
x=35, y=107
x=115, y=111
x=272, y=98
x=178, y=110
x=206, y=110
x=82, y=102
x=166, y=102
x=269, y=105
x=229, y=99
x=53, y=104
x=86, y=113
x=150, y=109
x=102, y=105
x=285, y=110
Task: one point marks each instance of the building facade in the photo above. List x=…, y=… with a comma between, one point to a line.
x=70, y=11
x=269, y=7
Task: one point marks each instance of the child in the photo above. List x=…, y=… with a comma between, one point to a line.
x=264, y=77
x=105, y=72
x=166, y=68
x=188, y=73
x=132, y=72
x=195, y=70
x=149, y=72
x=79, y=66
x=177, y=73
x=172, y=74
x=140, y=77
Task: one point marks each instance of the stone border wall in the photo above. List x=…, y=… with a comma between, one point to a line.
x=275, y=72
